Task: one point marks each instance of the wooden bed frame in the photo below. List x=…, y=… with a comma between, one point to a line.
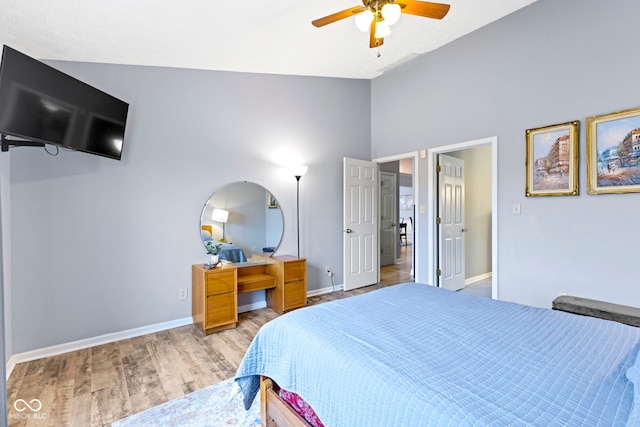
x=207, y=227
x=275, y=412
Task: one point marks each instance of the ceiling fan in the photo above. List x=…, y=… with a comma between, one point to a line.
x=377, y=15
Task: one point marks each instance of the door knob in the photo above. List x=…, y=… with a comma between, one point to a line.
x=464, y=230
x=348, y=230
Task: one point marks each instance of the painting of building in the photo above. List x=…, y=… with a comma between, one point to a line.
x=552, y=169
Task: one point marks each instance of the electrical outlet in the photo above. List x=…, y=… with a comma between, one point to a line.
x=183, y=293
x=327, y=269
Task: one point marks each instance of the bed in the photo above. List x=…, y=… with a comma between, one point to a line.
x=416, y=355
x=228, y=251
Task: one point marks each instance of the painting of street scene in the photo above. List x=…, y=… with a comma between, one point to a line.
x=551, y=164
x=551, y=154
x=618, y=151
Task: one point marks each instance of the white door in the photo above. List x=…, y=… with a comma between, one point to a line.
x=360, y=212
x=388, y=220
x=451, y=228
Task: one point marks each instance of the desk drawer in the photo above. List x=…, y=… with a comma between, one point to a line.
x=221, y=309
x=220, y=281
x=295, y=295
x=294, y=270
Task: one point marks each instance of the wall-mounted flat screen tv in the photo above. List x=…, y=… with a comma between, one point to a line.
x=43, y=105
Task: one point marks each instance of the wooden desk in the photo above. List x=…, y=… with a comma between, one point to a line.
x=215, y=291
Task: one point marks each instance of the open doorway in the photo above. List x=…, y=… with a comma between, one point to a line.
x=466, y=266
x=481, y=238
x=397, y=208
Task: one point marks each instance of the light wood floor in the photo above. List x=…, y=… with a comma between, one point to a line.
x=400, y=272
x=102, y=384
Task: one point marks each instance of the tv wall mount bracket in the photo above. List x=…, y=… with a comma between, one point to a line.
x=7, y=143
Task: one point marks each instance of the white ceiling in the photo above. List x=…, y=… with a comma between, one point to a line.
x=259, y=36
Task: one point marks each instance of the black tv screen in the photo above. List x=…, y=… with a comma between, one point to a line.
x=41, y=104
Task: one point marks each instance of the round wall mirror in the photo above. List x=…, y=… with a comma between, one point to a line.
x=246, y=218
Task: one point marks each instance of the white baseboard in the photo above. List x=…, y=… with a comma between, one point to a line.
x=28, y=356
x=326, y=290
x=478, y=278
x=252, y=306
x=10, y=365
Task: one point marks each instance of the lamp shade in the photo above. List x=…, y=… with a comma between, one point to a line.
x=363, y=20
x=382, y=29
x=220, y=215
x=299, y=170
x=391, y=12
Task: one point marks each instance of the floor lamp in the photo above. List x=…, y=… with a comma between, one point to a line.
x=220, y=215
x=298, y=171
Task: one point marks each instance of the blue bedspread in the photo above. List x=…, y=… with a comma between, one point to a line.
x=415, y=355
x=232, y=253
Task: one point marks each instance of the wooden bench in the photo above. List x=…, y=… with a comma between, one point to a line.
x=601, y=309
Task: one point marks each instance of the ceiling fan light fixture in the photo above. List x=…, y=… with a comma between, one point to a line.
x=363, y=20
x=391, y=13
x=382, y=29
x=376, y=16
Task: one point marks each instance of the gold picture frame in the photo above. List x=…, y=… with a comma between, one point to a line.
x=613, y=152
x=272, y=203
x=552, y=160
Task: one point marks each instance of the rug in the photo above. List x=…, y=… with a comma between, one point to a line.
x=214, y=406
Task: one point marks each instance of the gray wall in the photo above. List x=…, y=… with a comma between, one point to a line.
x=4, y=317
x=101, y=246
x=477, y=209
x=5, y=243
x=552, y=62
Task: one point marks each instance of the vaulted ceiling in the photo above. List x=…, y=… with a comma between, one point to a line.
x=248, y=36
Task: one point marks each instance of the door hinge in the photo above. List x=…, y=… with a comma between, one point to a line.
x=438, y=168
x=438, y=220
x=438, y=272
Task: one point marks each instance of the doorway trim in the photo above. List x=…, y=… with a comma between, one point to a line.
x=414, y=155
x=432, y=191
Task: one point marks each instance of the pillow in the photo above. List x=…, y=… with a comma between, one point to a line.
x=205, y=235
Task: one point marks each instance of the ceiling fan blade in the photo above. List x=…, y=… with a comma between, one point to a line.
x=321, y=22
x=373, y=41
x=425, y=9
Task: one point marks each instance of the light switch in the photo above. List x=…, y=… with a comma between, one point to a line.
x=515, y=209
x=423, y=209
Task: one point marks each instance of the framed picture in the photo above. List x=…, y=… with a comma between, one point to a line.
x=552, y=160
x=406, y=201
x=613, y=152
x=272, y=203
